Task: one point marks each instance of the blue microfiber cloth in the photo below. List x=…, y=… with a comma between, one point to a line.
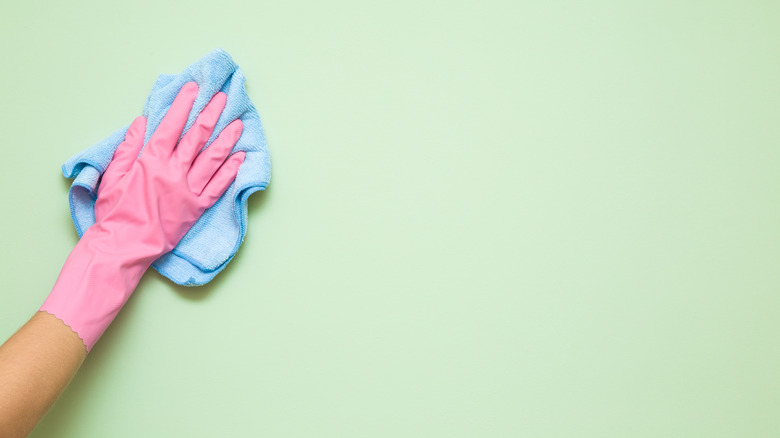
x=213, y=241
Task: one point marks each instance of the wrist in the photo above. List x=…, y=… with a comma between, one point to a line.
x=96, y=280
x=118, y=242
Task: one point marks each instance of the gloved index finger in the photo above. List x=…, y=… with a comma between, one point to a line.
x=199, y=133
x=167, y=134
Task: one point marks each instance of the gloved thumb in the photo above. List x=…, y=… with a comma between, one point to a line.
x=126, y=153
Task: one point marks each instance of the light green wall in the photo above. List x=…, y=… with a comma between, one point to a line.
x=486, y=219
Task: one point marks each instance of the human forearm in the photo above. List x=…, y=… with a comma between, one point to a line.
x=36, y=365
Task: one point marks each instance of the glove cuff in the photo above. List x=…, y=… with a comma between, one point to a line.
x=94, y=284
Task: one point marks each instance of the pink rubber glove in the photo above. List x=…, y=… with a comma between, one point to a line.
x=145, y=206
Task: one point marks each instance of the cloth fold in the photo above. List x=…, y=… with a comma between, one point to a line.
x=215, y=238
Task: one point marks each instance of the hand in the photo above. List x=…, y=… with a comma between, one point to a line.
x=145, y=206
x=149, y=203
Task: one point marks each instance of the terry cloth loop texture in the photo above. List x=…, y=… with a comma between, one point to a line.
x=214, y=239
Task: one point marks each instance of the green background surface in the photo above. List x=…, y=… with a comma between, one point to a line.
x=486, y=219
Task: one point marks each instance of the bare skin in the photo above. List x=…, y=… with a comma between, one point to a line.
x=36, y=365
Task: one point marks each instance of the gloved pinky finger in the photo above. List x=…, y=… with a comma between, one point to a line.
x=223, y=178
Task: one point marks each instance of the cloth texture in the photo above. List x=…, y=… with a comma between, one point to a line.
x=215, y=238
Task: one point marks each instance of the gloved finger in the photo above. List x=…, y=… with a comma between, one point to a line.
x=125, y=154
x=169, y=130
x=222, y=179
x=209, y=161
x=200, y=132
